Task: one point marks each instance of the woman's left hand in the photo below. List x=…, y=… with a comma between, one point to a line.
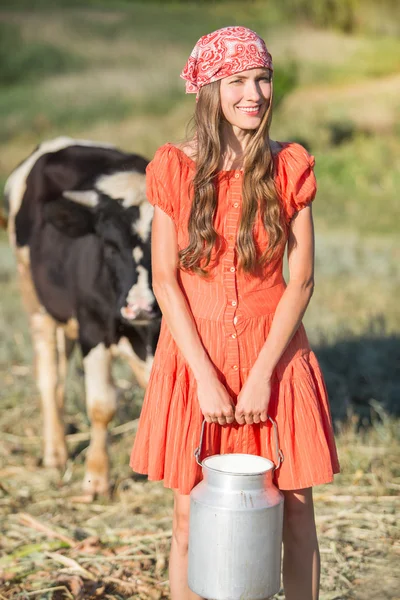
x=253, y=400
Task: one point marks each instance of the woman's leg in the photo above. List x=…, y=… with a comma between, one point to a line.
x=178, y=559
x=301, y=562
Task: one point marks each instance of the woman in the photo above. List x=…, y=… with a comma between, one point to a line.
x=232, y=346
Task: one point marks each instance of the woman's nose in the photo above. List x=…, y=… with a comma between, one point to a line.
x=253, y=91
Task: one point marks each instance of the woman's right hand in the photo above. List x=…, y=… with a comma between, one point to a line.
x=215, y=402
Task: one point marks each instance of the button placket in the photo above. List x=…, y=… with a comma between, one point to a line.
x=230, y=281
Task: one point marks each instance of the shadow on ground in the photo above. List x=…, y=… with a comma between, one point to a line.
x=362, y=374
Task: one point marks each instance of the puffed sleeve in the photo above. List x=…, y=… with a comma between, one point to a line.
x=296, y=177
x=161, y=177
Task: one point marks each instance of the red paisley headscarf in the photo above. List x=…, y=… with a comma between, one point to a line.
x=223, y=53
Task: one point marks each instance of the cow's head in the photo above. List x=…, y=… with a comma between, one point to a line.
x=125, y=256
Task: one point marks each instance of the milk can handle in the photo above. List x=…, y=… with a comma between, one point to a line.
x=278, y=451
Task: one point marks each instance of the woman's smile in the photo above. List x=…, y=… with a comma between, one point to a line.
x=250, y=110
x=247, y=93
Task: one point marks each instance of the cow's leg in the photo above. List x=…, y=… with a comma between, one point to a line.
x=64, y=350
x=101, y=401
x=140, y=368
x=43, y=329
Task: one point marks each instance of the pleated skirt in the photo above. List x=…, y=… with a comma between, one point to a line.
x=170, y=421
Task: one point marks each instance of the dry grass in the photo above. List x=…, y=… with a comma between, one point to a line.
x=371, y=107
x=310, y=45
x=139, y=134
x=118, y=548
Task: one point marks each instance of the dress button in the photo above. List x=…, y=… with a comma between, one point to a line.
x=232, y=269
x=233, y=302
x=236, y=205
x=235, y=367
x=237, y=175
x=233, y=335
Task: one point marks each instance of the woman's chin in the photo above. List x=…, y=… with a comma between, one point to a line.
x=248, y=123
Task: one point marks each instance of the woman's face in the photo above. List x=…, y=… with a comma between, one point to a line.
x=245, y=97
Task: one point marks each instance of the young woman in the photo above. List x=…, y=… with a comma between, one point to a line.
x=232, y=346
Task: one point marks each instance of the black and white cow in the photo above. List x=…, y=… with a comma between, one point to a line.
x=79, y=223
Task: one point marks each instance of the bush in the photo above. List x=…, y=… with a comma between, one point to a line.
x=285, y=80
x=21, y=62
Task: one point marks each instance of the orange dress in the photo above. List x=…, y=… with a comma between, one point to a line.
x=233, y=313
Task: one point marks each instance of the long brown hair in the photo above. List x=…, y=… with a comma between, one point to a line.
x=258, y=191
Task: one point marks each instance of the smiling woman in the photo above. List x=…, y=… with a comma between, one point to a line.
x=250, y=93
x=232, y=348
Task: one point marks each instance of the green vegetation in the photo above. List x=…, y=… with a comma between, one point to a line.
x=357, y=185
x=349, y=16
x=27, y=63
x=110, y=74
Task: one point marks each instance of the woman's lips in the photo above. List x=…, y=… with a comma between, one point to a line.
x=249, y=110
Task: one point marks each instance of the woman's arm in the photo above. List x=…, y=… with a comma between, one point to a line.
x=287, y=317
x=214, y=400
x=297, y=295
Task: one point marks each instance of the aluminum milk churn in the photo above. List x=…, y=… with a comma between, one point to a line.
x=235, y=530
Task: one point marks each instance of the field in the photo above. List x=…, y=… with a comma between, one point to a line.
x=112, y=74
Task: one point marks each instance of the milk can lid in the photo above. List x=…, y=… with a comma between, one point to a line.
x=238, y=464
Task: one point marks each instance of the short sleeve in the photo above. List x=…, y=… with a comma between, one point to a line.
x=296, y=178
x=161, y=181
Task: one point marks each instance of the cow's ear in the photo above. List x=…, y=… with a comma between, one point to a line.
x=70, y=218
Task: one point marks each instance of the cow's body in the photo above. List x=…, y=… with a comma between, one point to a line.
x=79, y=223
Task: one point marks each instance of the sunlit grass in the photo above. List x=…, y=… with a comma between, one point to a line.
x=130, y=94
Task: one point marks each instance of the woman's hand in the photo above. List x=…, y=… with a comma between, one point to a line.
x=253, y=401
x=215, y=402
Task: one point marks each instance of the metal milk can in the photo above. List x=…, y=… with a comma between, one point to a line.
x=235, y=529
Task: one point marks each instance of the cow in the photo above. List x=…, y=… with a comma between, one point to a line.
x=79, y=224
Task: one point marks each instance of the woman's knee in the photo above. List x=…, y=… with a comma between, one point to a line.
x=180, y=525
x=299, y=520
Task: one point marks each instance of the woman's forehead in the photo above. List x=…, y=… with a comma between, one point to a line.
x=250, y=73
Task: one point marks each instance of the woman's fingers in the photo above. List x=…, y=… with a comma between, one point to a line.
x=240, y=418
x=223, y=417
x=230, y=413
x=250, y=418
x=229, y=416
x=216, y=404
